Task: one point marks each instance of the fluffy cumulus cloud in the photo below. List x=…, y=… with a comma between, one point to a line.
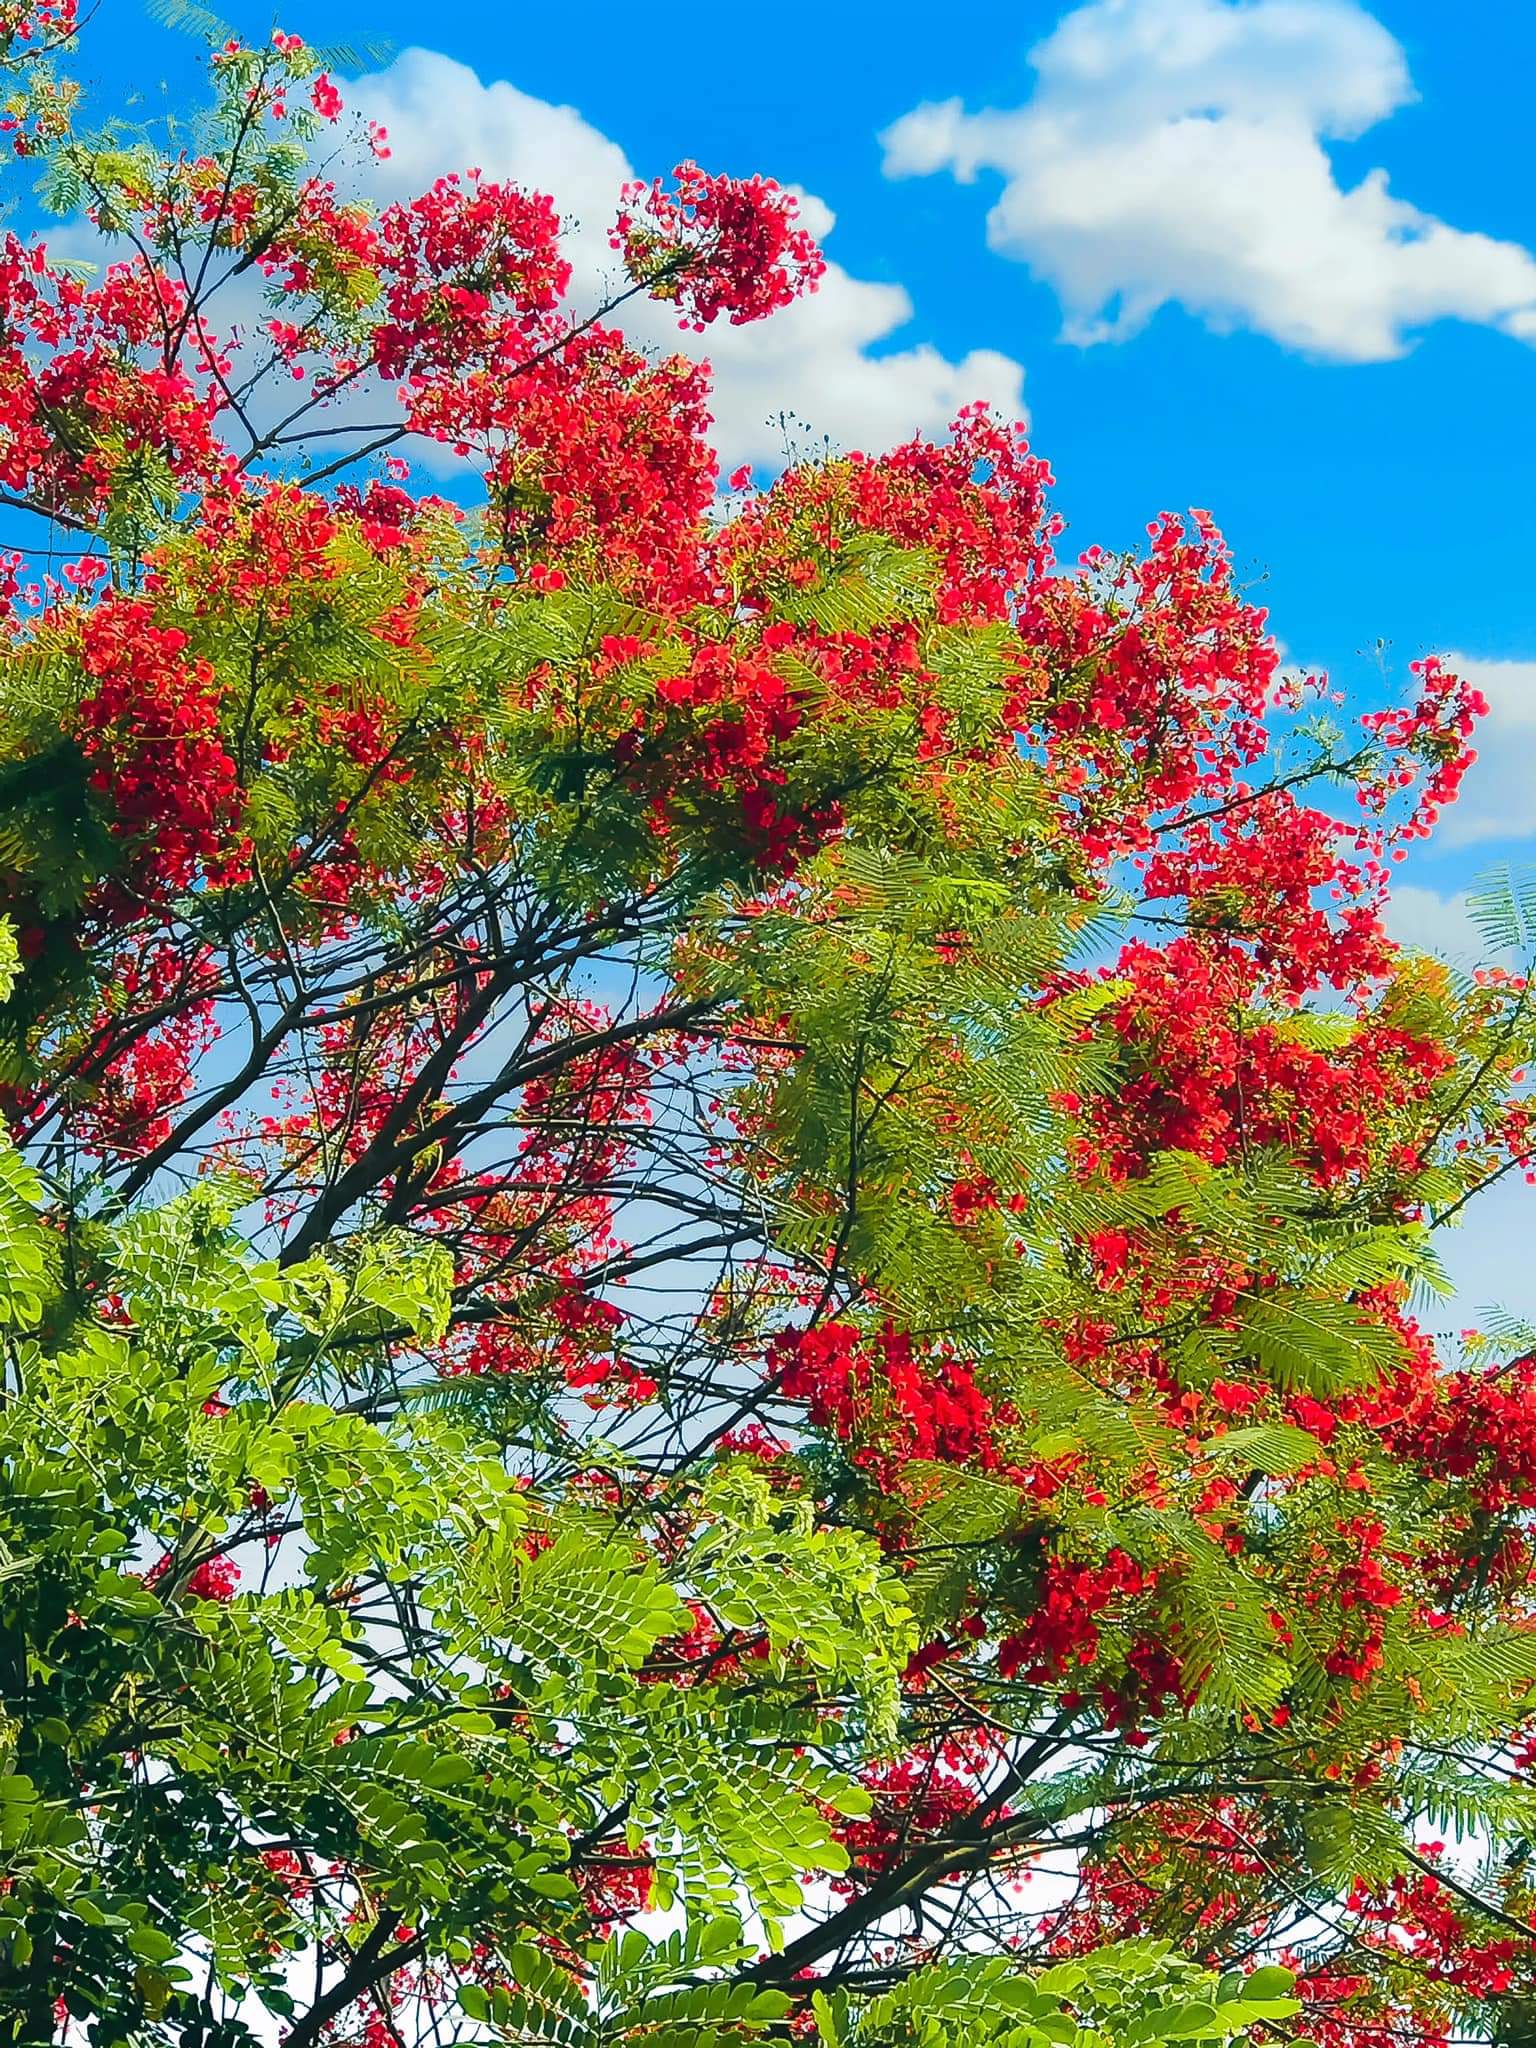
x=1434, y=923
x=825, y=368
x=1176, y=151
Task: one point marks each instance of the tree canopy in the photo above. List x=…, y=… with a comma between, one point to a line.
x=720, y=1215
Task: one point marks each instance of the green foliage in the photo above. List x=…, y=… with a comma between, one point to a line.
x=1135, y=1994
x=207, y=1725
x=1503, y=907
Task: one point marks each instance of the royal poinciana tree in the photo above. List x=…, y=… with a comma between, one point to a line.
x=719, y=1208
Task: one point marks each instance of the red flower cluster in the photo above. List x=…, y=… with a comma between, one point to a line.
x=1360, y=1584
x=150, y=732
x=1165, y=677
x=615, y=1888
x=716, y=245
x=1433, y=729
x=1261, y=877
x=1062, y=1631
x=1479, y=1426
x=878, y=1395
x=1204, y=1075
x=34, y=23
x=916, y=1798
x=1413, y=1915
x=1191, y=1863
x=216, y=1578
x=85, y=400
x=975, y=501
x=473, y=273
x=139, y=1090
x=260, y=548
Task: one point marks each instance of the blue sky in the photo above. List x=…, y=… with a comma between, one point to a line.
x=1272, y=257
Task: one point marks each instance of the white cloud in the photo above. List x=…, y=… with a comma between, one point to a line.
x=812, y=362
x=1431, y=923
x=1498, y=797
x=1174, y=151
